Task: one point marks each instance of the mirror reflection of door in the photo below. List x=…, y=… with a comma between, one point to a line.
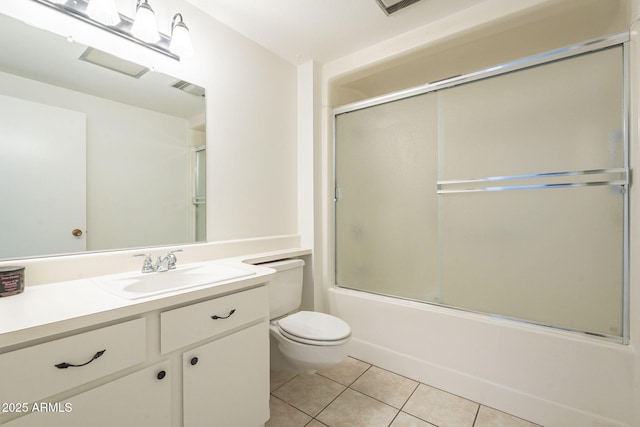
x=43, y=175
x=200, y=199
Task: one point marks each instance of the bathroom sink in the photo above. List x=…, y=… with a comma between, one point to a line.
x=140, y=285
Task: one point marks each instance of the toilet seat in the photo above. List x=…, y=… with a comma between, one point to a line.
x=308, y=327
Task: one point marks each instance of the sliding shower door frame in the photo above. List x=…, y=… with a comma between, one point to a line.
x=621, y=39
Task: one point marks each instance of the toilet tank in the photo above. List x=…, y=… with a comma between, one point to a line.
x=285, y=290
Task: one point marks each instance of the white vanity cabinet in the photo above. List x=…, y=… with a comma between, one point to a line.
x=188, y=325
x=226, y=377
x=187, y=363
x=39, y=371
x=140, y=399
x=34, y=374
x=226, y=382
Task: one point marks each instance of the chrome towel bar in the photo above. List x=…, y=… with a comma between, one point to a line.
x=611, y=177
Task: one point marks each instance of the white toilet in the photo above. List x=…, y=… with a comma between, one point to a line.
x=301, y=341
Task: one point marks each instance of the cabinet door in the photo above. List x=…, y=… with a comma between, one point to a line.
x=139, y=399
x=226, y=382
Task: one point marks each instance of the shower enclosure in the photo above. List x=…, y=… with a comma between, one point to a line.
x=501, y=192
x=200, y=193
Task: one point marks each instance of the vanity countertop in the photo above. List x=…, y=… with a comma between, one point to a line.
x=54, y=309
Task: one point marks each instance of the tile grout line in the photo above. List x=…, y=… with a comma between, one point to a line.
x=407, y=401
x=332, y=400
x=271, y=396
x=352, y=382
x=394, y=418
x=349, y=387
x=476, y=417
x=283, y=384
x=399, y=410
x=385, y=403
x=341, y=393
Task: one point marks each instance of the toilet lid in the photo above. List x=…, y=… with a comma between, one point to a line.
x=314, y=326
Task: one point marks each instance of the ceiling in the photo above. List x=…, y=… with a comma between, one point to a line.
x=324, y=30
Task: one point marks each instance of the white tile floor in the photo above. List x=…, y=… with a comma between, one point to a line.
x=357, y=394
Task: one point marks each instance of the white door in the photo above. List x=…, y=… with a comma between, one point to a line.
x=43, y=179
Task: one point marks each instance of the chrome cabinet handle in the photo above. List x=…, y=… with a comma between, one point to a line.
x=65, y=365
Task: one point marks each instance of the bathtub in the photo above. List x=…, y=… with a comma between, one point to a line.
x=547, y=376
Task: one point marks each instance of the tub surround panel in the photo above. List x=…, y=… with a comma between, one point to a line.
x=490, y=360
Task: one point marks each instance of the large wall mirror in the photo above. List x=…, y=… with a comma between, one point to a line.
x=96, y=153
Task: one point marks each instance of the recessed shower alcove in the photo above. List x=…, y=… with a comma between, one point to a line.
x=502, y=191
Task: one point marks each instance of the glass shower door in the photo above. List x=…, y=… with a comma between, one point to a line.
x=505, y=195
x=386, y=210
x=532, y=193
x=200, y=197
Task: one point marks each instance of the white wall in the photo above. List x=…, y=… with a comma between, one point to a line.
x=251, y=137
x=551, y=377
x=309, y=132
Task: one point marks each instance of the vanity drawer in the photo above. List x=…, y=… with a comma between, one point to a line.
x=33, y=375
x=187, y=325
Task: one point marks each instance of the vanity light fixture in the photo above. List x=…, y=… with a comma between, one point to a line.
x=145, y=26
x=103, y=11
x=180, y=37
x=143, y=30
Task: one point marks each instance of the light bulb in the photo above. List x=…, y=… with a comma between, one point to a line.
x=103, y=11
x=145, y=26
x=180, y=38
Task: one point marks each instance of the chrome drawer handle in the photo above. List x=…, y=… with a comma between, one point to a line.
x=65, y=365
x=214, y=317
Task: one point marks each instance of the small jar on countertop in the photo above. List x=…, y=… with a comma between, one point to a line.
x=11, y=280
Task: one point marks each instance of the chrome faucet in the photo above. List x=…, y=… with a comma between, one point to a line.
x=168, y=262
x=162, y=264
x=147, y=266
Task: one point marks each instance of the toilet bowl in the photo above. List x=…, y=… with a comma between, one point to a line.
x=302, y=341
x=311, y=341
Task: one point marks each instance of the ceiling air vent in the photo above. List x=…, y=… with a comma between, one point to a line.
x=189, y=88
x=113, y=63
x=392, y=6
